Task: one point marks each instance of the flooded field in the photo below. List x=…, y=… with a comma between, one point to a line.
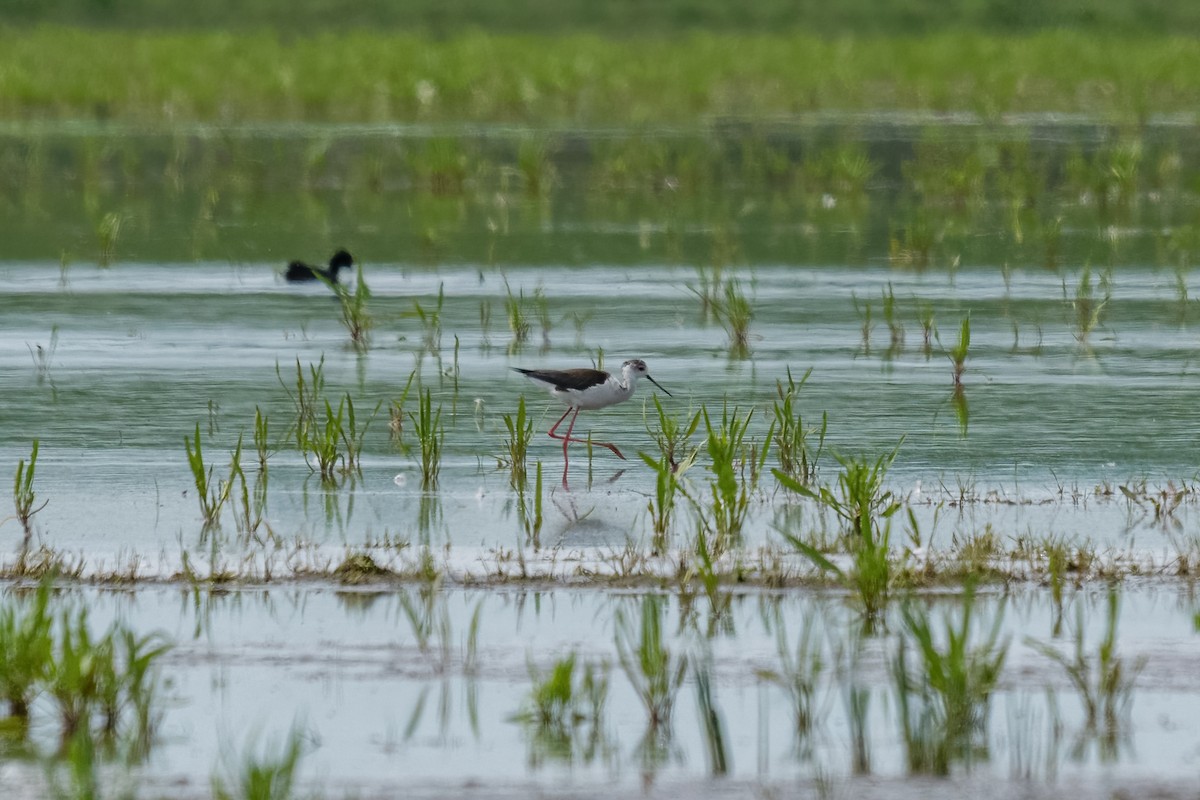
x=906, y=363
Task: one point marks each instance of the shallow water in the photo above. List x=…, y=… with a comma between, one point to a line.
x=142, y=353
x=379, y=712
x=111, y=367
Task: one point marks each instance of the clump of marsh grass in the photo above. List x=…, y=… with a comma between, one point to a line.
x=356, y=317
x=103, y=685
x=865, y=509
x=895, y=326
x=654, y=671
x=26, y=647
x=560, y=701
x=959, y=352
x=431, y=322
x=43, y=357
x=24, y=497
x=516, y=446
x=798, y=675
x=306, y=399
x=263, y=777
x=211, y=495
x=797, y=458
x=530, y=510
x=943, y=703
x=676, y=455
x=725, y=300
x=431, y=435
x=736, y=464
x=108, y=232
x=518, y=317
x=1086, y=305
x=1103, y=680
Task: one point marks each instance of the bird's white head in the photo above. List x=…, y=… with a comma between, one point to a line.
x=635, y=368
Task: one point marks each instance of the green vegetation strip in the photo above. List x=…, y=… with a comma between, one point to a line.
x=580, y=79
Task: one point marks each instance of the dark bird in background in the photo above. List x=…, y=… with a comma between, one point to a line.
x=298, y=271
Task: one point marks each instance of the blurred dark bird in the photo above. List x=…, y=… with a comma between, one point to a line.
x=298, y=271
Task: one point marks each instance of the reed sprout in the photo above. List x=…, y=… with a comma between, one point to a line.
x=24, y=497
x=431, y=435
x=798, y=674
x=1104, y=680
x=943, y=704
x=43, y=357
x=517, y=315
x=265, y=777
x=797, y=458
x=736, y=464
x=211, y=495
x=654, y=671
x=676, y=455
x=516, y=446
x=959, y=352
x=865, y=509
x=562, y=698
x=532, y=516
x=26, y=646
x=431, y=321
x=356, y=317
x=108, y=232
x=1087, y=306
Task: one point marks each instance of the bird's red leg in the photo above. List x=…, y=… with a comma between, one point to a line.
x=569, y=438
x=551, y=433
x=566, y=441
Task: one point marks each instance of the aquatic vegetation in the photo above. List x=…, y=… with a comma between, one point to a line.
x=396, y=413
x=1104, y=680
x=895, y=326
x=306, y=399
x=533, y=517
x=797, y=459
x=265, y=777
x=676, y=455
x=102, y=685
x=356, y=317
x=559, y=701
x=108, y=232
x=431, y=436
x=518, y=316
x=735, y=312
x=959, y=352
x=431, y=321
x=24, y=497
x=654, y=671
x=26, y=645
x=713, y=727
x=864, y=508
x=736, y=464
x=210, y=495
x=1088, y=308
x=943, y=704
x=798, y=675
x=43, y=357
x=516, y=446
x=262, y=439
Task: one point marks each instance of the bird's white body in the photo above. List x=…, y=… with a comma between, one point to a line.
x=587, y=390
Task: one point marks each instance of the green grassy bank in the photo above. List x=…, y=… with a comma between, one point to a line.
x=620, y=17
x=580, y=79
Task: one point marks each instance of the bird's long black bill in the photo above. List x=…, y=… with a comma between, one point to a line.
x=664, y=391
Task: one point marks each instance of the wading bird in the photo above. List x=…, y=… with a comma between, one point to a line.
x=587, y=390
